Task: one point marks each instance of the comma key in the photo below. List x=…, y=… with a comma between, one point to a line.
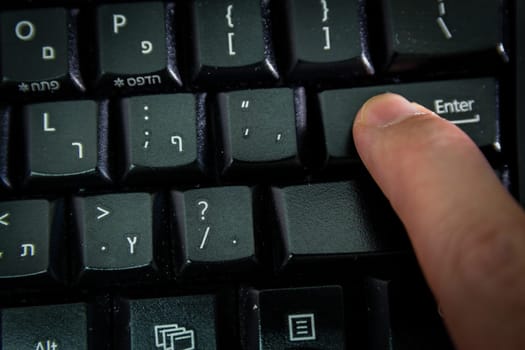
x=38, y=56
x=28, y=249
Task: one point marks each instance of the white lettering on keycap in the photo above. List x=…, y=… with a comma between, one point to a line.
x=205, y=238
x=3, y=219
x=230, y=44
x=176, y=140
x=229, y=16
x=25, y=30
x=119, y=21
x=324, y=5
x=47, y=128
x=147, y=47
x=80, y=149
x=441, y=22
x=48, y=53
x=47, y=345
x=327, y=44
x=132, y=240
x=143, y=80
x=454, y=106
x=28, y=249
x=39, y=86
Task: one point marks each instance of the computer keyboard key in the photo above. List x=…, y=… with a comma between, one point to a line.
x=424, y=33
x=230, y=43
x=52, y=327
x=471, y=104
x=403, y=316
x=160, y=133
x=317, y=221
x=294, y=318
x=38, y=54
x=216, y=231
x=29, y=241
x=326, y=40
x=259, y=130
x=114, y=237
x=187, y=322
x=133, y=52
x=66, y=144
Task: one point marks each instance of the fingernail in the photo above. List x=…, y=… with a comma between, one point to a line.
x=386, y=109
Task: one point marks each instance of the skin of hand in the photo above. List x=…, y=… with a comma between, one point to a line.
x=468, y=233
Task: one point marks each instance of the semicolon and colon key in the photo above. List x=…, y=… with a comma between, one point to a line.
x=470, y=104
x=160, y=136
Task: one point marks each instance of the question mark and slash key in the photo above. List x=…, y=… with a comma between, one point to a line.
x=203, y=206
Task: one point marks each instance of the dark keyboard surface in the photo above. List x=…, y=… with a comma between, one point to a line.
x=182, y=175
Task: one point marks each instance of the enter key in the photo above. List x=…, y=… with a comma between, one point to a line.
x=471, y=104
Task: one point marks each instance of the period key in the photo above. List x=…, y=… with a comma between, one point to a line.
x=114, y=236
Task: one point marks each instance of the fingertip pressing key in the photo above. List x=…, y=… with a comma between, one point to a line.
x=467, y=231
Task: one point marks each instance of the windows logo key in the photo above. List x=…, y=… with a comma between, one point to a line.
x=173, y=337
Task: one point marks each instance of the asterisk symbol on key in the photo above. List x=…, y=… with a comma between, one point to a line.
x=118, y=82
x=23, y=87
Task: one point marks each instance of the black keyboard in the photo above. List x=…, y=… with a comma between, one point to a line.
x=181, y=174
